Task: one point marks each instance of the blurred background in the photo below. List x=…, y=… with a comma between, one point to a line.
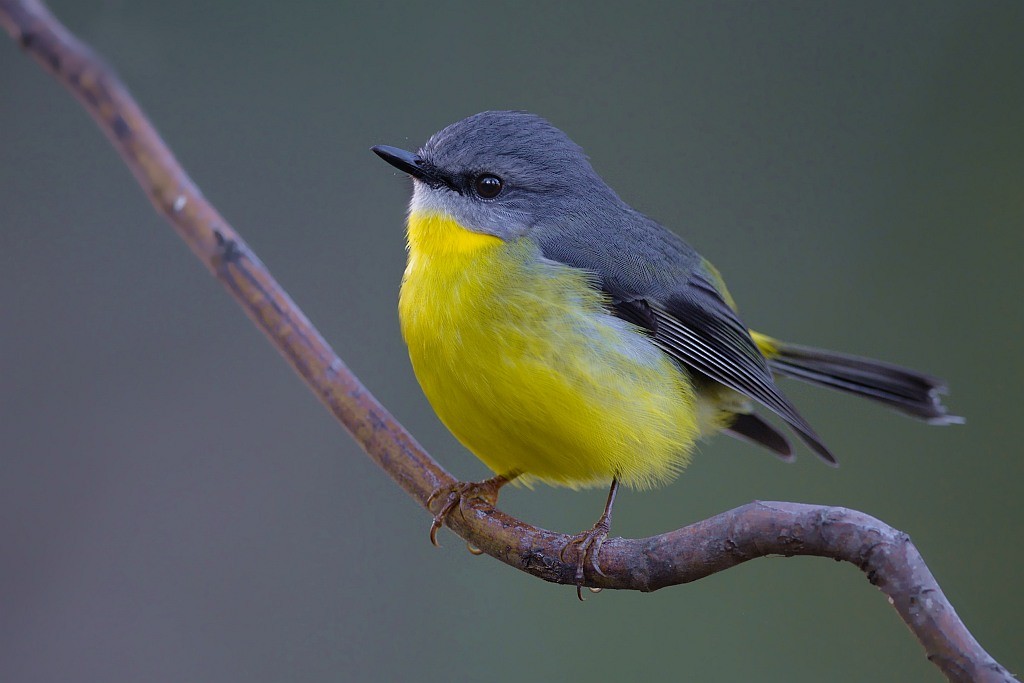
x=176, y=505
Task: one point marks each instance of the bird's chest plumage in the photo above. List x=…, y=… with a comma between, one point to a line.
x=521, y=361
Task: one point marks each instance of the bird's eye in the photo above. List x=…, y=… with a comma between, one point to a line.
x=487, y=185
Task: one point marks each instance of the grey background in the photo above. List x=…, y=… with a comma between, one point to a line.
x=175, y=505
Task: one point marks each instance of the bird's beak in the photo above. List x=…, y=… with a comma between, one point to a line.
x=410, y=163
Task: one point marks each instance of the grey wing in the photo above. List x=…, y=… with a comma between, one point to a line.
x=697, y=327
x=658, y=282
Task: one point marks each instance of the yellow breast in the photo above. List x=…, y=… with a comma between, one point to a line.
x=521, y=361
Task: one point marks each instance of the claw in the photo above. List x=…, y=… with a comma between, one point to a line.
x=589, y=542
x=454, y=498
x=456, y=492
x=589, y=545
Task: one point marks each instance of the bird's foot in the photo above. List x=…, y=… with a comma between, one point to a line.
x=453, y=494
x=588, y=543
x=588, y=548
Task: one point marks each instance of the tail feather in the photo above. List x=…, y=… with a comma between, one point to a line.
x=905, y=390
x=753, y=429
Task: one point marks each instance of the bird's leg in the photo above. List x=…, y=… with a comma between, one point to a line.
x=486, y=490
x=589, y=542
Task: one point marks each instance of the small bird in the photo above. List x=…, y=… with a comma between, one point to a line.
x=564, y=337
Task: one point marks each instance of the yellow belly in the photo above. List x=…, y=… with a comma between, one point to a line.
x=522, y=363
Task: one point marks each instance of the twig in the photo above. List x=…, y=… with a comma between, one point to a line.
x=886, y=555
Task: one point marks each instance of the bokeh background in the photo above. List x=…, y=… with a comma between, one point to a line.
x=175, y=504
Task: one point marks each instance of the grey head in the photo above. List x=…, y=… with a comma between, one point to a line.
x=503, y=173
x=512, y=174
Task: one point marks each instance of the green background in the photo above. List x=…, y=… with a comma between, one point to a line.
x=176, y=505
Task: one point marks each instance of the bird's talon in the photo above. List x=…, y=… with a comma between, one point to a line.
x=589, y=542
x=434, y=526
x=458, y=491
x=454, y=497
x=561, y=553
x=594, y=564
x=589, y=545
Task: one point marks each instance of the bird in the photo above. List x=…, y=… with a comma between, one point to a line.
x=564, y=337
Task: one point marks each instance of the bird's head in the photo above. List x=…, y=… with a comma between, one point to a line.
x=500, y=173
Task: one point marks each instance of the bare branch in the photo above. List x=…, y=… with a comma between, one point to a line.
x=887, y=556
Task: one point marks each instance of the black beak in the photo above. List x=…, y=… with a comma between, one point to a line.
x=410, y=163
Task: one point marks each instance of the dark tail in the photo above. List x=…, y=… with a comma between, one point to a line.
x=905, y=390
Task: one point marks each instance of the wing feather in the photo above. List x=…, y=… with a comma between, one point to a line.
x=655, y=280
x=698, y=328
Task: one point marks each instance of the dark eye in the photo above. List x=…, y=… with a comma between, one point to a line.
x=487, y=186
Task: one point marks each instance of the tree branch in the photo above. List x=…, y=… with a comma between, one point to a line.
x=887, y=556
